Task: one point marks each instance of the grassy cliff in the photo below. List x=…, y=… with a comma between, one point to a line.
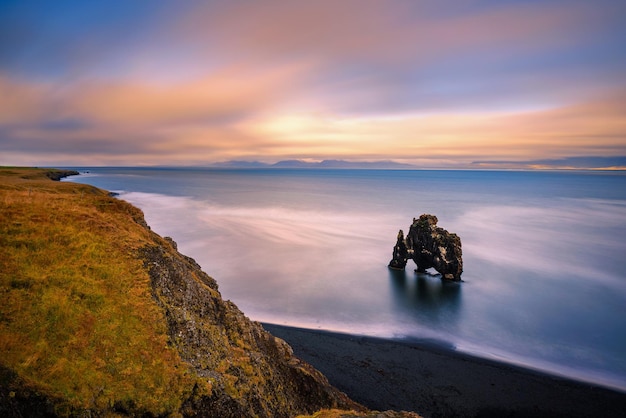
x=100, y=316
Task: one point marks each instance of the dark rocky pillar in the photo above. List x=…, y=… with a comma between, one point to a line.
x=400, y=253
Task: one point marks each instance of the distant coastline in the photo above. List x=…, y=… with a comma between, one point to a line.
x=327, y=164
x=604, y=164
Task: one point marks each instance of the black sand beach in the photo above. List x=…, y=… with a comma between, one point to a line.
x=436, y=381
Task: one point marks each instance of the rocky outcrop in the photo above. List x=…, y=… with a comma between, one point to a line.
x=57, y=175
x=400, y=253
x=249, y=371
x=430, y=247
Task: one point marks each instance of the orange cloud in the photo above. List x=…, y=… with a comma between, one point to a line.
x=22, y=101
x=240, y=115
x=219, y=97
x=593, y=128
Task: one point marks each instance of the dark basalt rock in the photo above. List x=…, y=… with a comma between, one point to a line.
x=400, y=253
x=57, y=175
x=429, y=246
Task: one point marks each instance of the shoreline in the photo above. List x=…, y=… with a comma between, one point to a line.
x=382, y=374
x=435, y=380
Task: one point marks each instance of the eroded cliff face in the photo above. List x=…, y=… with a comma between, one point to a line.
x=249, y=371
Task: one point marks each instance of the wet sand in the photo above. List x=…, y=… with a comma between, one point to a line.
x=437, y=381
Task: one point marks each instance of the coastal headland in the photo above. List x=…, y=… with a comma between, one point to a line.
x=101, y=316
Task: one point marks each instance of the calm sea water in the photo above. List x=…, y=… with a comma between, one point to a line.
x=544, y=254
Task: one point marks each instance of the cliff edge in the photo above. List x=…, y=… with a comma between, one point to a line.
x=103, y=317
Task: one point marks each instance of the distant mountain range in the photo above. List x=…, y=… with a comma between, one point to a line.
x=570, y=163
x=320, y=164
x=580, y=163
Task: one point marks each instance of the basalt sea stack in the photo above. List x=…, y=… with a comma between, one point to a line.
x=429, y=246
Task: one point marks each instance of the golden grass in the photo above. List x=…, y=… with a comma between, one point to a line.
x=77, y=319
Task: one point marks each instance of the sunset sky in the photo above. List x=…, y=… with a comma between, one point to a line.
x=433, y=83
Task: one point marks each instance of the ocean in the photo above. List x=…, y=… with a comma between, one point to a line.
x=544, y=254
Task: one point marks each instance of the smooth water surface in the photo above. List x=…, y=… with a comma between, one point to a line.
x=544, y=254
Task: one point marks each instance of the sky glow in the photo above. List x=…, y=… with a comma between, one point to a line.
x=440, y=84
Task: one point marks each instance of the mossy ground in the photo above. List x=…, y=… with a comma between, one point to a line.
x=77, y=319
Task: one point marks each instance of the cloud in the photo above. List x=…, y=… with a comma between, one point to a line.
x=592, y=128
x=216, y=98
x=368, y=57
x=366, y=31
x=352, y=79
x=22, y=101
x=182, y=125
x=194, y=119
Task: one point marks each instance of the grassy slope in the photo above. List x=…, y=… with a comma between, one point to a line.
x=82, y=329
x=77, y=320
